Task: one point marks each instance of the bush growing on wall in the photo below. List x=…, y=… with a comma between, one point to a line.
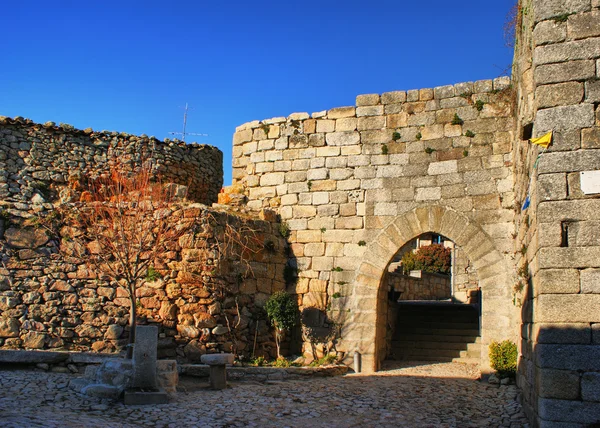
x=433, y=258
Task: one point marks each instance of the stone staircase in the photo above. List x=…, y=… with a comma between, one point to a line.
x=436, y=331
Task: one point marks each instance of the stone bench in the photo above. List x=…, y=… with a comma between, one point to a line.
x=217, y=362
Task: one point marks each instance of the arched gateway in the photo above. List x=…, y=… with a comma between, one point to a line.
x=367, y=332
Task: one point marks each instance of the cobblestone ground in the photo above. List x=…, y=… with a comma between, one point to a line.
x=411, y=395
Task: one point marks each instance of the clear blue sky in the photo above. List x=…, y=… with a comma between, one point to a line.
x=131, y=66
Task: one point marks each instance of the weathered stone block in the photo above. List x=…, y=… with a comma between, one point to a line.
x=367, y=100
x=565, y=71
x=443, y=92
x=560, y=94
x=549, y=32
x=592, y=91
x=561, y=333
x=568, y=411
x=568, y=308
x=371, y=122
x=393, y=97
x=590, y=281
x=585, y=160
x=564, y=118
x=397, y=120
x=569, y=51
x=445, y=167
x=558, y=281
x=545, y=9
x=562, y=384
x=341, y=112
x=369, y=111
x=583, y=25
x=428, y=193
x=342, y=138
x=568, y=357
x=590, y=138
x=325, y=125
x=346, y=124
x=590, y=387
x=552, y=187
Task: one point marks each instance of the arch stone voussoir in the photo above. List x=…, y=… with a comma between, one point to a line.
x=489, y=263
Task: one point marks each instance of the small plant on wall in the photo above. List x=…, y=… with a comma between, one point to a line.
x=282, y=310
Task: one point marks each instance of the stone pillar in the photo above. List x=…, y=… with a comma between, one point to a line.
x=144, y=357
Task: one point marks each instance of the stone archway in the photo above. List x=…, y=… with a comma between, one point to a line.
x=367, y=332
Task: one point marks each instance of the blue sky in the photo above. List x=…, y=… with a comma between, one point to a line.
x=131, y=66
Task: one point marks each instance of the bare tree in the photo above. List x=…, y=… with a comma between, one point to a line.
x=124, y=225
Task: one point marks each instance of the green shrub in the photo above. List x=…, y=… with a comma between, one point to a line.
x=282, y=310
x=433, y=258
x=282, y=363
x=259, y=361
x=503, y=358
x=326, y=360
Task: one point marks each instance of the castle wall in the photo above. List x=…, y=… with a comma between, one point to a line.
x=338, y=177
x=556, y=72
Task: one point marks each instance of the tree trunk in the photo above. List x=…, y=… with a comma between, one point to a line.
x=132, y=324
x=278, y=334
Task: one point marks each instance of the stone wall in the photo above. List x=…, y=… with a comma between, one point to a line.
x=342, y=176
x=425, y=286
x=557, y=71
x=206, y=300
x=39, y=160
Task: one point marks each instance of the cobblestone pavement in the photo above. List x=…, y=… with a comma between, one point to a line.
x=411, y=395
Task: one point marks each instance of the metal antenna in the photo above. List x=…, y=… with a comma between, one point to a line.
x=183, y=134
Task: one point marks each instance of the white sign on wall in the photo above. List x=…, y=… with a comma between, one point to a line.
x=590, y=182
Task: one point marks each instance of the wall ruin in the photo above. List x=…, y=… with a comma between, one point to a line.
x=36, y=159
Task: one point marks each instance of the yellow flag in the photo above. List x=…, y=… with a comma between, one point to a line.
x=543, y=141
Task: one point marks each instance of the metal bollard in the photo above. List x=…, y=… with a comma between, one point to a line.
x=357, y=362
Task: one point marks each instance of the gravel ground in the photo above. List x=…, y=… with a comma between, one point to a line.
x=404, y=394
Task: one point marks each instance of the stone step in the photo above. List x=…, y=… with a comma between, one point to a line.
x=435, y=338
x=438, y=332
x=475, y=360
x=439, y=324
x=453, y=353
x=460, y=346
x=406, y=319
x=470, y=353
x=422, y=358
